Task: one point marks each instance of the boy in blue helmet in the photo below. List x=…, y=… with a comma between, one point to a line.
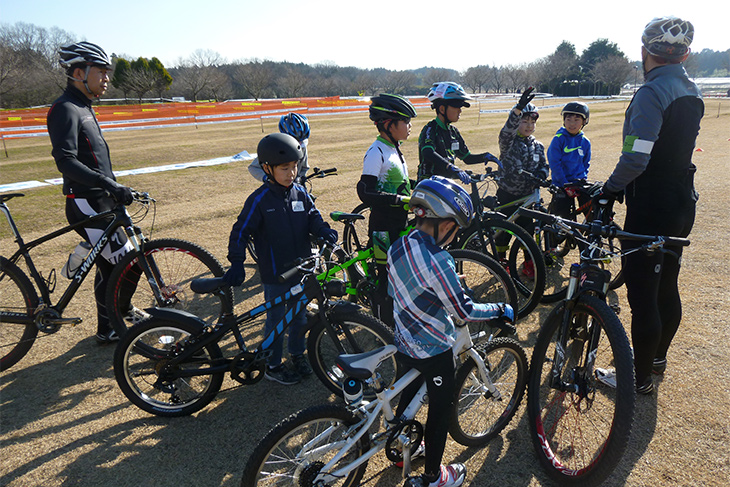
x=383, y=186
x=440, y=143
x=426, y=293
x=297, y=126
x=569, y=156
x=279, y=216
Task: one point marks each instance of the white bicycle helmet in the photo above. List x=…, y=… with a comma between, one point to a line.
x=448, y=92
x=668, y=37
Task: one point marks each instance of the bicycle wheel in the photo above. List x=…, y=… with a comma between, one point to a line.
x=485, y=281
x=478, y=416
x=559, y=253
x=357, y=332
x=175, y=264
x=18, y=298
x=139, y=361
x=294, y=452
x=359, y=228
x=580, y=427
x=522, y=249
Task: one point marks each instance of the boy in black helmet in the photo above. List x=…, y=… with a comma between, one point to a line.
x=384, y=185
x=279, y=216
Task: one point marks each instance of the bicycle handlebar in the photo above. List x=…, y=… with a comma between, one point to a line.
x=606, y=231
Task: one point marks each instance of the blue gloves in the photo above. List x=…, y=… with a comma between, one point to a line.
x=235, y=274
x=491, y=158
x=507, y=313
x=463, y=175
x=329, y=234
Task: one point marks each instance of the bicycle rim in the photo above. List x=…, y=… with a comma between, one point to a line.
x=478, y=415
x=294, y=452
x=580, y=436
x=17, y=296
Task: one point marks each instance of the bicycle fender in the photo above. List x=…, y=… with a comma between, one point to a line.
x=175, y=315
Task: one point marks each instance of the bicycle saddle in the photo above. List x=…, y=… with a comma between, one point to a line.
x=340, y=216
x=362, y=365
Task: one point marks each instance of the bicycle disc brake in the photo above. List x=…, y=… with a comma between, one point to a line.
x=410, y=432
x=248, y=368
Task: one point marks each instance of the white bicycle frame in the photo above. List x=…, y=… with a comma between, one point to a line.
x=382, y=403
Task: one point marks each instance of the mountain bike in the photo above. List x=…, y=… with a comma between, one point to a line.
x=171, y=364
x=580, y=426
x=316, y=173
x=482, y=277
x=331, y=444
x=169, y=265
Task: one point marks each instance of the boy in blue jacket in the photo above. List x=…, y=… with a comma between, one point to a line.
x=279, y=216
x=569, y=156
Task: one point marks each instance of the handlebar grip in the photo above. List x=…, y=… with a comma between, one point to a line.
x=537, y=215
x=681, y=242
x=285, y=276
x=330, y=170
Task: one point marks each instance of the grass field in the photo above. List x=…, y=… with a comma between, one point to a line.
x=64, y=422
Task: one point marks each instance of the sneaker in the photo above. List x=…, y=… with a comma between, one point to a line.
x=453, y=475
x=420, y=451
x=135, y=315
x=659, y=366
x=301, y=365
x=606, y=377
x=282, y=375
x=104, y=338
x=528, y=269
x=646, y=388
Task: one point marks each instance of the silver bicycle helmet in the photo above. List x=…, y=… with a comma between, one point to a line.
x=85, y=53
x=439, y=197
x=668, y=37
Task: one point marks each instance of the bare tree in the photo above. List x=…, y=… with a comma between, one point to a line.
x=293, y=84
x=434, y=75
x=476, y=78
x=613, y=71
x=515, y=77
x=198, y=72
x=367, y=83
x=255, y=77
x=398, y=81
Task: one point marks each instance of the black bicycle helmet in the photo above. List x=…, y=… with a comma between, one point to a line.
x=577, y=108
x=83, y=53
x=448, y=93
x=391, y=107
x=275, y=149
x=439, y=197
x=668, y=37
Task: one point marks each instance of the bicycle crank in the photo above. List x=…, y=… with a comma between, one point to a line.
x=248, y=368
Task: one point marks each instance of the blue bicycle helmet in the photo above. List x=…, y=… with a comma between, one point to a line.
x=448, y=93
x=439, y=197
x=295, y=125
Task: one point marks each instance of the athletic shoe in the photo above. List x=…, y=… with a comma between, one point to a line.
x=420, y=451
x=451, y=476
x=301, y=365
x=659, y=366
x=135, y=315
x=606, y=377
x=282, y=375
x=105, y=338
x=528, y=269
x=646, y=388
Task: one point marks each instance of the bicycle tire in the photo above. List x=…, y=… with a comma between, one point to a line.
x=581, y=436
x=178, y=262
x=365, y=332
x=18, y=296
x=485, y=281
x=476, y=418
x=296, y=449
x=138, y=361
x=360, y=227
x=529, y=290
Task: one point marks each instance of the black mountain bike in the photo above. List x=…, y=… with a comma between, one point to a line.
x=172, y=364
x=168, y=265
x=580, y=422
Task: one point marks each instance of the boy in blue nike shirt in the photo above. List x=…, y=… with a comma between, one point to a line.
x=279, y=216
x=569, y=156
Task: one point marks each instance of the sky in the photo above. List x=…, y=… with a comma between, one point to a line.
x=403, y=34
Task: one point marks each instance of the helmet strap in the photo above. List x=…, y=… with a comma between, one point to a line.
x=445, y=238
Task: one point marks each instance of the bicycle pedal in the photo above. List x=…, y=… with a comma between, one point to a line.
x=616, y=308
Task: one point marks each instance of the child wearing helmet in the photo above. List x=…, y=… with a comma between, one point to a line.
x=427, y=292
x=569, y=156
x=440, y=143
x=297, y=126
x=279, y=216
x=519, y=150
x=383, y=186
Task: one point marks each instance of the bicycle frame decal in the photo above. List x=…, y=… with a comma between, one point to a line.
x=90, y=259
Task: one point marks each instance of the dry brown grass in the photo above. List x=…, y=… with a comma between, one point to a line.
x=65, y=422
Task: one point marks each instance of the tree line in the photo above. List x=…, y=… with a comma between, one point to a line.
x=31, y=76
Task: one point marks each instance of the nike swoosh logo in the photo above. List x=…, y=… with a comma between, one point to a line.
x=567, y=151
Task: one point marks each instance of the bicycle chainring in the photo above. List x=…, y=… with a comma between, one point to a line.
x=310, y=472
x=248, y=368
x=411, y=430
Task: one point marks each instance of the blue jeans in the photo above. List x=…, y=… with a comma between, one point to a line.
x=296, y=329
